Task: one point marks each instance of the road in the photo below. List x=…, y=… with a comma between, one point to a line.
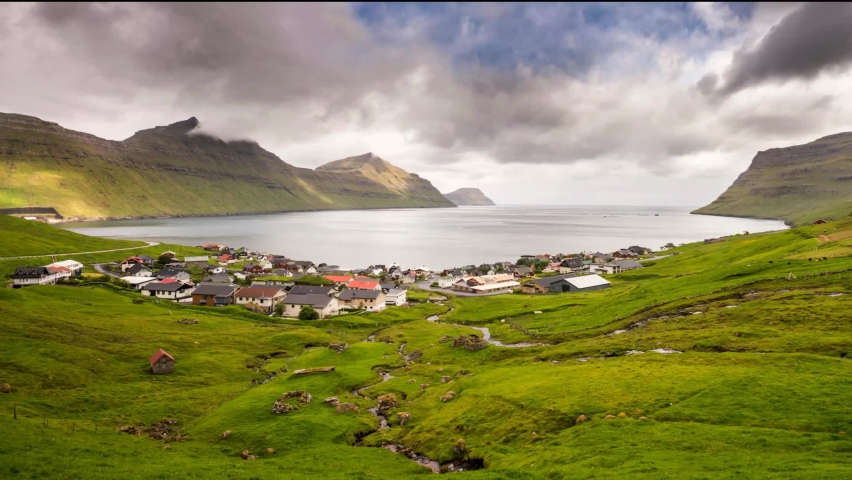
x=150, y=244
x=99, y=267
x=444, y=291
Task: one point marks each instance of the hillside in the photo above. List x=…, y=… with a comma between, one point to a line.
x=798, y=184
x=714, y=362
x=468, y=196
x=26, y=237
x=173, y=170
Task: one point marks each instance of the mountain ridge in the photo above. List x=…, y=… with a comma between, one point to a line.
x=468, y=197
x=176, y=170
x=798, y=184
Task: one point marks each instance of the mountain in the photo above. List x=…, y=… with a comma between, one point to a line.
x=797, y=184
x=175, y=170
x=468, y=196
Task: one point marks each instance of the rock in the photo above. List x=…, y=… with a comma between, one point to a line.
x=448, y=396
x=403, y=418
x=5, y=388
x=411, y=380
x=226, y=434
x=245, y=454
x=338, y=347
x=347, y=407
x=471, y=342
x=281, y=407
x=445, y=338
x=609, y=417
x=386, y=339
x=167, y=447
x=424, y=386
x=445, y=379
x=581, y=419
x=460, y=446
x=637, y=412
x=302, y=396
x=386, y=402
x=331, y=401
x=534, y=435
x=622, y=415
x=643, y=418
x=440, y=369
x=270, y=451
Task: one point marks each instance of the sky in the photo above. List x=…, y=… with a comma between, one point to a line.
x=533, y=103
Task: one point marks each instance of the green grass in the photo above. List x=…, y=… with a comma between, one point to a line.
x=760, y=389
x=25, y=237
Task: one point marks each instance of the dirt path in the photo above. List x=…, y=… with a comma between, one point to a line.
x=150, y=244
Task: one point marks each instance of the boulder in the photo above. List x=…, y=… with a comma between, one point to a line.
x=581, y=419
x=643, y=418
x=282, y=407
x=637, y=412
x=247, y=456
x=226, y=434
x=403, y=418
x=5, y=388
x=302, y=396
x=411, y=380
x=386, y=339
x=331, y=401
x=622, y=415
x=347, y=407
x=338, y=347
x=460, y=446
x=424, y=386
x=610, y=417
x=459, y=341
x=270, y=451
x=445, y=379
x=445, y=338
x=386, y=402
x=448, y=396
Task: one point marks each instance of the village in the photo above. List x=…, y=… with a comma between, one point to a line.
x=276, y=285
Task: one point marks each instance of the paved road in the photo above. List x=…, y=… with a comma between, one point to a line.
x=99, y=267
x=150, y=244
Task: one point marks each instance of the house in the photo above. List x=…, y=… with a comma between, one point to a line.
x=408, y=279
x=214, y=295
x=171, y=272
x=25, y=276
x=640, y=250
x=226, y=258
x=60, y=272
x=543, y=285
x=364, y=285
x=571, y=265
x=311, y=290
x=139, y=270
x=626, y=265
x=263, y=299
x=162, y=362
x=213, y=247
x=279, y=262
x=129, y=262
x=138, y=282
x=395, y=297
x=252, y=269
x=173, y=290
x=585, y=283
x=521, y=271
x=607, y=268
x=339, y=279
x=73, y=265
x=214, y=269
x=218, y=278
x=624, y=253
x=446, y=282
x=197, y=259
x=274, y=282
x=325, y=305
x=169, y=253
x=601, y=257
x=500, y=283
x=370, y=300
x=422, y=270
x=311, y=270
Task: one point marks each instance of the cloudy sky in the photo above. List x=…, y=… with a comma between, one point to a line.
x=618, y=104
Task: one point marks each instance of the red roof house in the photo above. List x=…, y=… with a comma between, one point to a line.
x=364, y=285
x=162, y=362
x=338, y=279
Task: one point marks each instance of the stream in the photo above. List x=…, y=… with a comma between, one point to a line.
x=486, y=335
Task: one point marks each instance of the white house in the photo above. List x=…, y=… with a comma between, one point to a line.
x=25, y=276
x=261, y=298
x=370, y=300
x=446, y=282
x=168, y=291
x=500, y=283
x=325, y=305
x=139, y=282
x=73, y=265
x=395, y=297
x=199, y=258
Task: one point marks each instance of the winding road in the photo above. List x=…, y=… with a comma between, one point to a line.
x=150, y=244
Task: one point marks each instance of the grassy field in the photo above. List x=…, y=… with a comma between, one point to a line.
x=25, y=237
x=756, y=383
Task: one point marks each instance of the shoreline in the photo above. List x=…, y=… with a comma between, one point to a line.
x=217, y=215
x=753, y=217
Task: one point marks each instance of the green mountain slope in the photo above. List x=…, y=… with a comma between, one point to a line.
x=25, y=237
x=797, y=184
x=173, y=170
x=468, y=196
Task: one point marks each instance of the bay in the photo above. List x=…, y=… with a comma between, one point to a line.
x=437, y=238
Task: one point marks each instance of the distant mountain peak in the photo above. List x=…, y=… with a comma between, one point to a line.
x=184, y=126
x=468, y=196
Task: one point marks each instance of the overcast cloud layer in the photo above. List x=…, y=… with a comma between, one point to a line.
x=533, y=103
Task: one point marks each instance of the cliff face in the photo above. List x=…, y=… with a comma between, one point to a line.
x=468, y=196
x=172, y=170
x=797, y=184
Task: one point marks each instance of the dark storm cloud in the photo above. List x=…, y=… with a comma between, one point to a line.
x=815, y=38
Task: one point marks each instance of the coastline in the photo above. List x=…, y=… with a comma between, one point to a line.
x=755, y=217
x=230, y=214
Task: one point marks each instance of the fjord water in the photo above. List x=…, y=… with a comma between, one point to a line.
x=436, y=237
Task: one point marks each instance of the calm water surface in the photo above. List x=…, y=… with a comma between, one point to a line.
x=439, y=237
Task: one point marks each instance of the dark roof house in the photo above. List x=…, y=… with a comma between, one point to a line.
x=311, y=290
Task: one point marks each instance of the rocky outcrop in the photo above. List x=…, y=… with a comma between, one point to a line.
x=468, y=197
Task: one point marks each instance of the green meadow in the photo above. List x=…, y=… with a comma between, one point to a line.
x=751, y=377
